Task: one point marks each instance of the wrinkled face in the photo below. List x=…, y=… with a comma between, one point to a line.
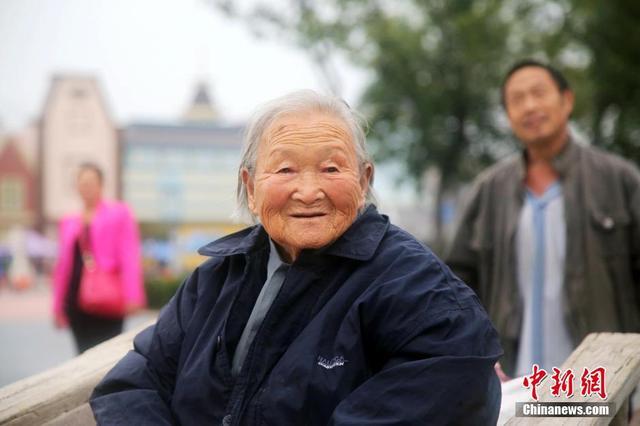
x=89, y=186
x=307, y=186
x=537, y=109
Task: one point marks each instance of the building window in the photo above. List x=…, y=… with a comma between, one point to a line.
x=11, y=195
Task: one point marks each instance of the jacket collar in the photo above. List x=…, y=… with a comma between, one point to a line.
x=359, y=242
x=566, y=158
x=241, y=242
x=363, y=237
x=562, y=162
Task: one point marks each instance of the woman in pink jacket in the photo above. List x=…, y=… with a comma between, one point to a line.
x=109, y=230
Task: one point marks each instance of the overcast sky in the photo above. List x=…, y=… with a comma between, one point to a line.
x=147, y=54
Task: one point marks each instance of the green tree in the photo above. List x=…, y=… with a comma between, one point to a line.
x=435, y=65
x=612, y=34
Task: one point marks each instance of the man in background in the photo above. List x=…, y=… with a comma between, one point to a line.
x=550, y=238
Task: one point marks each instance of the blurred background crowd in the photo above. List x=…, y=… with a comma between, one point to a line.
x=157, y=93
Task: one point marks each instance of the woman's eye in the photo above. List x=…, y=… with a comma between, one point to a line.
x=285, y=170
x=331, y=169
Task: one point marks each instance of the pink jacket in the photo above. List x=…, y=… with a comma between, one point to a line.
x=115, y=243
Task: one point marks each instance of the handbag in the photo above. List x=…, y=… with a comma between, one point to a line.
x=101, y=292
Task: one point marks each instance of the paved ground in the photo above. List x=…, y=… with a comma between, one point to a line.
x=29, y=343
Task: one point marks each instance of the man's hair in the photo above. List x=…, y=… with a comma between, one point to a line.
x=90, y=166
x=302, y=101
x=559, y=79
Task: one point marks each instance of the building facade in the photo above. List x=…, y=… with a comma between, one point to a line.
x=180, y=173
x=180, y=181
x=75, y=127
x=18, y=185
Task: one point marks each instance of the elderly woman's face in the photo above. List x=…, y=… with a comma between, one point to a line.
x=307, y=187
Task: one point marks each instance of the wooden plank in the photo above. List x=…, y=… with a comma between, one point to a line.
x=618, y=353
x=80, y=416
x=45, y=396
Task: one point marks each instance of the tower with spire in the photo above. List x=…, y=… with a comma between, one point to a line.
x=202, y=110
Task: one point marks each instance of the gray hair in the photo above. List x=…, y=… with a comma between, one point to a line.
x=293, y=103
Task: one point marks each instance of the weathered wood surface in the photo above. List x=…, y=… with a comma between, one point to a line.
x=619, y=353
x=79, y=416
x=57, y=395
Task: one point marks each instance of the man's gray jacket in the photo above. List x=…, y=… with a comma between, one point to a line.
x=602, y=271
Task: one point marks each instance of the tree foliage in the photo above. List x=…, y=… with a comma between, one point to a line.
x=437, y=67
x=612, y=34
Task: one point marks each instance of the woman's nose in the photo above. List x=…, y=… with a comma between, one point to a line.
x=308, y=189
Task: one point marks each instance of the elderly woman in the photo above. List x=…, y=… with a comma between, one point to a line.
x=323, y=313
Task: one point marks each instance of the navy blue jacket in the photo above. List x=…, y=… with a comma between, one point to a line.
x=373, y=329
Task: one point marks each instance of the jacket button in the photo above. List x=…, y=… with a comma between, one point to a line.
x=607, y=223
x=226, y=421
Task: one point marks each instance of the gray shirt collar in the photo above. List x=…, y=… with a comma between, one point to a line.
x=275, y=261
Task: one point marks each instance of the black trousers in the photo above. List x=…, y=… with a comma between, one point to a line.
x=89, y=330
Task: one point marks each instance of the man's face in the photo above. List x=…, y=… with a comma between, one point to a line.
x=307, y=188
x=538, y=111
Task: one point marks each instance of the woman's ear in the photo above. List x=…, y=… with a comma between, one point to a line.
x=247, y=180
x=366, y=179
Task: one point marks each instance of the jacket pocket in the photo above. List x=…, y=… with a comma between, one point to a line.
x=611, y=232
